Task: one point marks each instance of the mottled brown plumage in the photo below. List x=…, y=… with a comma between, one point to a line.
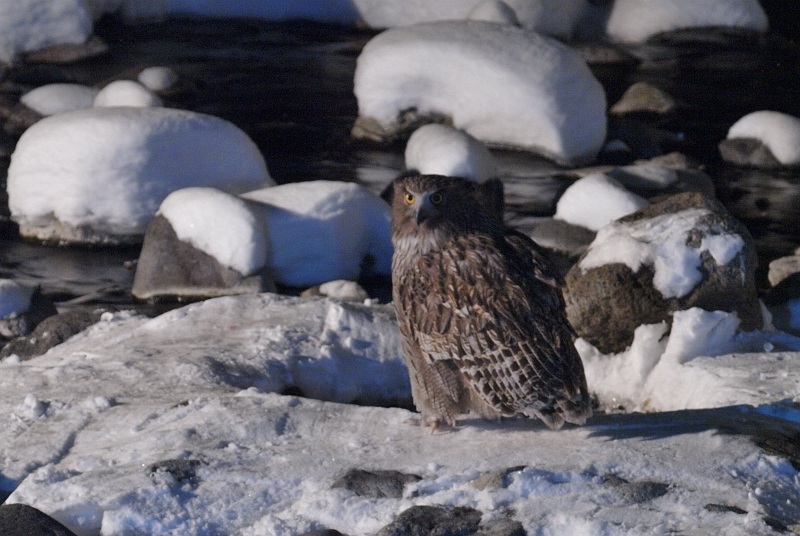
x=479, y=308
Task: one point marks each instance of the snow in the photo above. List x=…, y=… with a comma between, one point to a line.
x=442, y=150
x=662, y=242
x=158, y=78
x=494, y=11
x=14, y=298
x=323, y=230
x=110, y=168
x=778, y=131
x=637, y=20
x=595, y=200
x=53, y=99
x=501, y=84
x=89, y=422
x=30, y=25
x=126, y=93
x=219, y=224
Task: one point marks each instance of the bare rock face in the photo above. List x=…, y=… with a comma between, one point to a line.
x=169, y=267
x=682, y=246
x=748, y=152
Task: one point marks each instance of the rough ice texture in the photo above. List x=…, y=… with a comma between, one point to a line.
x=637, y=20
x=325, y=230
x=158, y=78
x=501, y=84
x=442, y=150
x=126, y=93
x=778, y=131
x=14, y=298
x=596, y=200
x=53, y=99
x=99, y=175
x=30, y=25
x=219, y=224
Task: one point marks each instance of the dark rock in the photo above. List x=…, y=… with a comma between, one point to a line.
x=650, y=180
x=323, y=532
x=24, y=520
x=40, y=308
x=748, y=152
x=642, y=97
x=69, y=52
x=636, y=492
x=605, y=304
x=501, y=527
x=182, y=471
x=50, y=332
x=724, y=508
x=566, y=238
x=169, y=267
x=20, y=118
x=496, y=479
x=434, y=521
x=375, y=484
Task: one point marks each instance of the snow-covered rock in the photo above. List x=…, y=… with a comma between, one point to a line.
x=30, y=25
x=21, y=309
x=99, y=175
x=637, y=20
x=321, y=231
x=778, y=132
x=126, y=93
x=158, y=78
x=53, y=99
x=503, y=85
x=595, y=200
x=493, y=11
x=442, y=150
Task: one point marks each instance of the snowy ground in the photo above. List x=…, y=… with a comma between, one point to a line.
x=91, y=423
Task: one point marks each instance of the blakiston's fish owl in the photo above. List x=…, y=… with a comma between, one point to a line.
x=479, y=308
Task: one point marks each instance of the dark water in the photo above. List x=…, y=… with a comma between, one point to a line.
x=289, y=86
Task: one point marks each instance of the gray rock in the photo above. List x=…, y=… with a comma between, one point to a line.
x=40, y=308
x=496, y=479
x=24, y=520
x=748, y=152
x=323, y=532
x=642, y=97
x=501, y=527
x=605, y=304
x=69, y=52
x=783, y=267
x=635, y=492
x=181, y=472
x=650, y=179
x=562, y=237
x=169, y=267
x=375, y=484
x=51, y=332
x=434, y=521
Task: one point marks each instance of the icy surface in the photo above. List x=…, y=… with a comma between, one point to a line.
x=126, y=93
x=95, y=425
x=501, y=84
x=110, y=168
x=14, y=298
x=596, y=200
x=636, y=20
x=442, y=150
x=661, y=242
x=57, y=98
x=778, y=131
x=324, y=230
x=158, y=78
x=219, y=224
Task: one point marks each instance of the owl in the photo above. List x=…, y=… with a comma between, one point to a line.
x=479, y=308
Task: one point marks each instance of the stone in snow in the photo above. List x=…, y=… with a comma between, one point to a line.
x=99, y=175
x=442, y=150
x=30, y=25
x=595, y=200
x=779, y=132
x=501, y=84
x=53, y=99
x=126, y=93
x=637, y=20
x=158, y=78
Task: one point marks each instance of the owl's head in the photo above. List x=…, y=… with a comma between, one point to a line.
x=435, y=207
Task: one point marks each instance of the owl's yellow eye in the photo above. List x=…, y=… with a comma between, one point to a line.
x=437, y=198
x=410, y=199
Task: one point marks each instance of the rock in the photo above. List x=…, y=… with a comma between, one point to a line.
x=562, y=237
x=783, y=267
x=642, y=97
x=158, y=79
x=595, y=200
x=24, y=520
x=778, y=132
x=434, y=521
x=748, y=152
x=783, y=303
x=496, y=479
x=69, y=52
x=323, y=532
x=683, y=252
x=443, y=150
x=501, y=527
x=635, y=492
x=182, y=472
x=375, y=484
x=649, y=180
x=50, y=332
x=20, y=118
x=53, y=99
x=170, y=267
x=340, y=290
x=127, y=93
x=36, y=308
x=494, y=11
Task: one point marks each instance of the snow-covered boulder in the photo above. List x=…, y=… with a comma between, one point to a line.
x=321, y=231
x=30, y=25
x=493, y=11
x=99, y=175
x=442, y=150
x=503, y=85
x=683, y=252
x=763, y=139
x=126, y=93
x=637, y=20
x=53, y=99
x=158, y=78
x=595, y=200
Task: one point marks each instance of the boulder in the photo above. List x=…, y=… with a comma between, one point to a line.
x=642, y=97
x=765, y=139
x=23, y=520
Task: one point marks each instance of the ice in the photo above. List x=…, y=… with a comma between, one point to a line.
x=14, y=298
x=778, y=131
x=29, y=25
x=442, y=150
x=158, y=78
x=636, y=20
x=53, y=99
x=595, y=200
x=126, y=93
x=501, y=84
x=219, y=224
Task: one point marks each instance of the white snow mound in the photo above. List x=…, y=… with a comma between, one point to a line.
x=126, y=93
x=493, y=11
x=778, y=131
x=442, y=150
x=637, y=20
x=157, y=78
x=324, y=230
x=219, y=224
x=15, y=299
x=503, y=85
x=53, y=99
x=595, y=200
x=109, y=169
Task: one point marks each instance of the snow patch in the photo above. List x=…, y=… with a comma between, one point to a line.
x=778, y=131
x=157, y=78
x=53, y=99
x=126, y=93
x=15, y=299
x=442, y=150
x=595, y=200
